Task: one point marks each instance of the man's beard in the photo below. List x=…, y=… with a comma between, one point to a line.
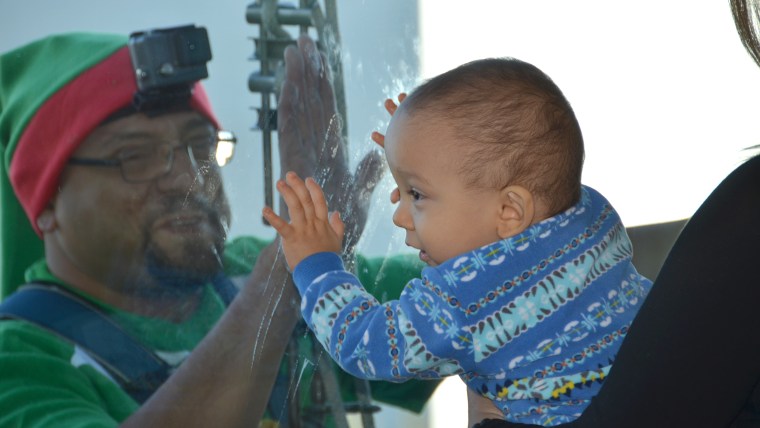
x=201, y=259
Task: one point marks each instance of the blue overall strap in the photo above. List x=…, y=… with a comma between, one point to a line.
x=225, y=288
x=138, y=370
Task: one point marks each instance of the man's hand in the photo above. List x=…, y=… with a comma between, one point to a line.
x=312, y=229
x=377, y=137
x=311, y=140
x=390, y=107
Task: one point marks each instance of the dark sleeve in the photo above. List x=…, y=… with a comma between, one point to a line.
x=692, y=357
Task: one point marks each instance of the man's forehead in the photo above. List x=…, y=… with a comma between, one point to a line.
x=139, y=125
x=166, y=123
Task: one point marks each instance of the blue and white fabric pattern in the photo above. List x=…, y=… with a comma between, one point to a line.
x=532, y=322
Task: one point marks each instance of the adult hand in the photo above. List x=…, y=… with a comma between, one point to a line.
x=311, y=139
x=390, y=107
x=227, y=379
x=377, y=137
x=480, y=408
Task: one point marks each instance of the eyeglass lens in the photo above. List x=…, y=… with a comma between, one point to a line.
x=154, y=160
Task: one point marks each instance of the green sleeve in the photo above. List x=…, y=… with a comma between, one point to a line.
x=41, y=384
x=40, y=387
x=241, y=253
x=385, y=278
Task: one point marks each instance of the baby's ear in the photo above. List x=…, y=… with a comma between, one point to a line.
x=517, y=211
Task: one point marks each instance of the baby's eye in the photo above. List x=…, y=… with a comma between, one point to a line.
x=415, y=195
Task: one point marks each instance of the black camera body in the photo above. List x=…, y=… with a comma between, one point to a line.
x=167, y=62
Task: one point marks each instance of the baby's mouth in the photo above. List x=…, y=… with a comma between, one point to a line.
x=426, y=258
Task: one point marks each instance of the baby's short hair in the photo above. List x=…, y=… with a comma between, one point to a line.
x=516, y=126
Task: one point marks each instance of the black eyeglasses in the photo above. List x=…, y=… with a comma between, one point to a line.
x=150, y=161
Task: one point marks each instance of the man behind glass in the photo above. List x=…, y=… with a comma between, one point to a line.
x=132, y=216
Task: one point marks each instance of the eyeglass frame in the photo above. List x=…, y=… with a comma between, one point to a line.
x=221, y=136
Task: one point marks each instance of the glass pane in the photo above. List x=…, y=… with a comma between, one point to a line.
x=664, y=92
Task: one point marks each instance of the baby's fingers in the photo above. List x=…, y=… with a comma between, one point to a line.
x=317, y=198
x=395, y=195
x=378, y=138
x=301, y=193
x=278, y=223
x=391, y=106
x=337, y=225
x=295, y=208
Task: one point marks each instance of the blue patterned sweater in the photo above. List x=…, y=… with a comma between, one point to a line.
x=532, y=322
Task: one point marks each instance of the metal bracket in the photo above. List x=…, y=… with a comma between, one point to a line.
x=269, y=49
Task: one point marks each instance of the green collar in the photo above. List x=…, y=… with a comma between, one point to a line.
x=155, y=333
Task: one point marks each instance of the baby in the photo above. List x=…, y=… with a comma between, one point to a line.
x=529, y=289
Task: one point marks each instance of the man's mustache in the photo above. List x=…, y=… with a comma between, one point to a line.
x=177, y=204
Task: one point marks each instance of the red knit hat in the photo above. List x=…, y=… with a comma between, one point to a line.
x=53, y=93
x=66, y=119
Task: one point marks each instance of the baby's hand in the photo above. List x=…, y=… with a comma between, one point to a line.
x=311, y=229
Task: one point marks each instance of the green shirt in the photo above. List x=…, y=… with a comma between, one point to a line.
x=46, y=381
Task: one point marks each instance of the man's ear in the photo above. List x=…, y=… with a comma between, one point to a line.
x=46, y=220
x=516, y=212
